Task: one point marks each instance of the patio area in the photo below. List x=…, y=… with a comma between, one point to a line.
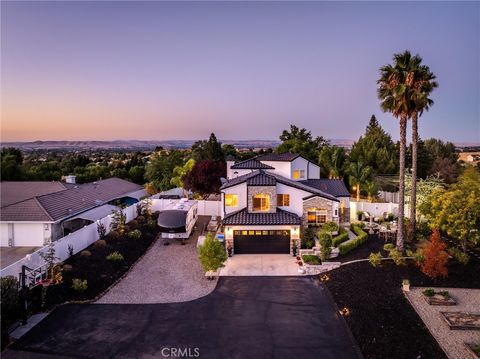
x=260, y=265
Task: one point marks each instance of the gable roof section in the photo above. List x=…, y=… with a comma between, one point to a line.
x=335, y=187
x=287, y=156
x=86, y=196
x=243, y=217
x=54, y=206
x=251, y=164
x=261, y=178
x=14, y=192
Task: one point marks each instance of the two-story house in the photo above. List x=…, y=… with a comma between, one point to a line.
x=268, y=199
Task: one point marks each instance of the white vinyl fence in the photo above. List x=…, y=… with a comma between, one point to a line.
x=84, y=237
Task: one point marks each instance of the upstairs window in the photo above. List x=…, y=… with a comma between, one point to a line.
x=231, y=200
x=297, y=174
x=316, y=216
x=261, y=202
x=283, y=200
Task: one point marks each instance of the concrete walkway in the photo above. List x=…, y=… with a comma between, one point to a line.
x=260, y=265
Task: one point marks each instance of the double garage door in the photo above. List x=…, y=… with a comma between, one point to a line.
x=261, y=241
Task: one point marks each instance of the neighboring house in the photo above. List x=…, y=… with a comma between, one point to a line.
x=268, y=199
x=34, y=213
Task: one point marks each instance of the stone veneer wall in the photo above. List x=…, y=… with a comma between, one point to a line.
x=319, y=203
x=270, y=190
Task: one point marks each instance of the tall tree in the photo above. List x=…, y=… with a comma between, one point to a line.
x=396, y=95
x=160, y=169
x=375, y=149
x=422, y=81
x=300, y=141
x=204, y=177
x=332, y=161
x=210, y=150
x=11, y=164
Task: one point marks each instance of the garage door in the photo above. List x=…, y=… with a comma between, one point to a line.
x=261, y=241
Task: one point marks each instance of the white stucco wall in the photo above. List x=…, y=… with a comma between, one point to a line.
x=241, y=191
x=26, y=234
x=296, y=198
x=232, y=173
x=313, y=171
x=281, y=168
x=301, y=164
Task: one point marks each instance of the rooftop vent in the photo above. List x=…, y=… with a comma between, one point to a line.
x=71, y=179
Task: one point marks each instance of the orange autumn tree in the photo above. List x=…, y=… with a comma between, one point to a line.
x=435, y=257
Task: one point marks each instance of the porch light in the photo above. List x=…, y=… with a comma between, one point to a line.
x=344, y=311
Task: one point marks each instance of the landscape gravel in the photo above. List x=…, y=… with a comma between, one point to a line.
x=451, y=341
x=166, y=274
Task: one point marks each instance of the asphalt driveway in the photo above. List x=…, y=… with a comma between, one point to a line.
x=245, y=317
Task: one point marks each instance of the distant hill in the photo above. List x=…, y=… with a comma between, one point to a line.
x=141, y=144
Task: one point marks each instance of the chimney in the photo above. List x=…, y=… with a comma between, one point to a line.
x=71, y=179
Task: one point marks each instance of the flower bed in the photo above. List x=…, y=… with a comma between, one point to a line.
x=92, y=271
x=438, y=298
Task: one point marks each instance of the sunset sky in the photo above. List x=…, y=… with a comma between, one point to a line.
x=159, y=70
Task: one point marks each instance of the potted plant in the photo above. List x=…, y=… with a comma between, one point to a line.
x=294, y=248
x=406, y=285
x=229, y=249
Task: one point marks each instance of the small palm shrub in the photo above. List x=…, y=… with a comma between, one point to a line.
x=389, y=247
x=397, y=257
x=375, y=259
x=115, y=257
x=79, y=285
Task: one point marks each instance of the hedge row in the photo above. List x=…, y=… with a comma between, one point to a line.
x=342, y=237
x=361, y=238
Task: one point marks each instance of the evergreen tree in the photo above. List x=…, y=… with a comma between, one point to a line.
x=375, y=149
x=300, y=141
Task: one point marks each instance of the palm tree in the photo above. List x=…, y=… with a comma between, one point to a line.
x=359, y=174
x=332, y=160
x=395, y=95
x=423, y=83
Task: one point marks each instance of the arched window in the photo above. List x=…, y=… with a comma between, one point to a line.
x=261, y=202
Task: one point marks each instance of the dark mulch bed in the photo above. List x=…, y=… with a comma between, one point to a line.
x=373, y=244
x=382, y=320
x=96, y=269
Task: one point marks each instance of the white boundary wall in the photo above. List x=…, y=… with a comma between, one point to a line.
x=84, y=237
x=375, y=209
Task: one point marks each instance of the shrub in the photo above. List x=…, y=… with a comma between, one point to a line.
x=375, y=259
x=435, y=258
x=113, y=235
x=101, y=230
x=342, y=237
x=397, y=257
x=152, y=224
x=140, y=219
x=133, y=224
x=67, y=268
x=361, y=238
x=325, y=239
x=460, y=256
x=79, y=285
x=429, y=292
x=118, y=221
x=308, y=238
x=445, y=294
x=85, y=253
x=311, y=259
x=388, y=247
x=135, y=234
x=211, y=254
x=10, y=305
x=115, y=257
x=418, y=256
x=330, y=227
x=409, y=252
x=101, y=243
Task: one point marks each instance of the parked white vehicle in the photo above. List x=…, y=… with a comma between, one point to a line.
x=178, y=218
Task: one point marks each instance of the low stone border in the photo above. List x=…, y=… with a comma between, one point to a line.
x=447, y=316
x=470, y=350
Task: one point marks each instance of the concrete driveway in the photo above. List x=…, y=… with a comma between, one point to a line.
x=260, y=265
x=245, y=317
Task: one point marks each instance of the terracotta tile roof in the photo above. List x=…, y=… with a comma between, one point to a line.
x=242, y=217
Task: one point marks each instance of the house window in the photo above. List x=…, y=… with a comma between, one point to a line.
x=231, y=200
x=261, y=202
x=297, y=174
x=317, y=216
x=283, y=200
